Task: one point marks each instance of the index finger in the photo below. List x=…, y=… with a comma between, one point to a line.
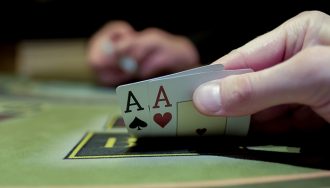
x=273, y=47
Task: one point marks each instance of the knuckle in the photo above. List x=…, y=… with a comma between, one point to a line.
x=312, y=14
x=152, y=31
x=236, y=91
x=305, y=20
x=116, y=23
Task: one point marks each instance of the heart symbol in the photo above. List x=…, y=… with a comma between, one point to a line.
x=162, y=120
x=200, y=132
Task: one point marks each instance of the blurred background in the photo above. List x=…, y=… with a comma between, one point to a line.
x=47, y=38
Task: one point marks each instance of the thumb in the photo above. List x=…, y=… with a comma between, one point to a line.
x=288, y=82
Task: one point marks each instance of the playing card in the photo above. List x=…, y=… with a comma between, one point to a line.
x=171, y=109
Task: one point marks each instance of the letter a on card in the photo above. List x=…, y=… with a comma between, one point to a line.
x=162, y=112
x=133, y=99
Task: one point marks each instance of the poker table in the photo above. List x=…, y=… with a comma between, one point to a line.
x=70, y=134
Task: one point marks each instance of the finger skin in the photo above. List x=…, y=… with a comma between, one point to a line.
x=294, y=81
x=291, y=65
x=302, y=31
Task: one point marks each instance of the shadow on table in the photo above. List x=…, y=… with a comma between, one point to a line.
x=314, y=153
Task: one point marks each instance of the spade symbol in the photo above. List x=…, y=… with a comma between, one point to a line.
x=137, y=123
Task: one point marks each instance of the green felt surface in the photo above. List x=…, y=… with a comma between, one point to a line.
x=44, y=121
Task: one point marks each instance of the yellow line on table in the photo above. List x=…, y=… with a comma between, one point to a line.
x=80, y=145
x=211, y=183
x=110, y=143
x=132, y=155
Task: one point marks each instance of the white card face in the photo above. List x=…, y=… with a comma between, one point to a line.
x=133, y=99
x=193, y=123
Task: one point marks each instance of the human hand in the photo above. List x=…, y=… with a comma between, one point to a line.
x=154, y=50
x=103, y=55
x=289, y=91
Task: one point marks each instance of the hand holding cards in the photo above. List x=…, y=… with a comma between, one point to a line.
x=163, y=106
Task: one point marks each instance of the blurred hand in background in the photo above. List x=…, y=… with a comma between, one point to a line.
x=119, y=54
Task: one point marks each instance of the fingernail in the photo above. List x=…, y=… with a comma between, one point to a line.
x=207, y=97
